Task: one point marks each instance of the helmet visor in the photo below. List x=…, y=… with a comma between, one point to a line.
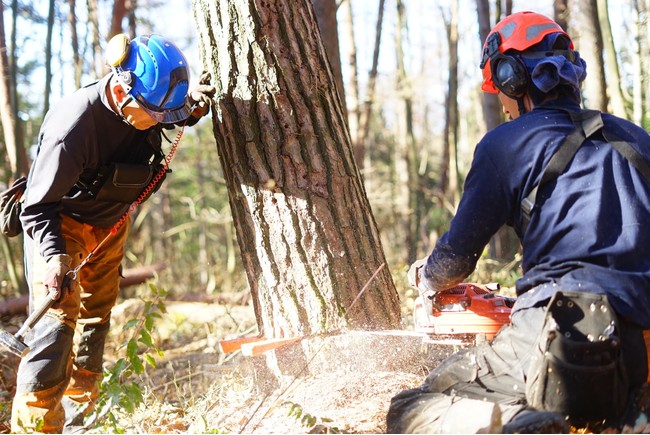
x=166, y=116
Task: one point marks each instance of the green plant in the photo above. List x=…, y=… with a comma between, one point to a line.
x=312, y=423
x=120, y=390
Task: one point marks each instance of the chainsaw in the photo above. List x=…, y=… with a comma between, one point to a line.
x=461, y=315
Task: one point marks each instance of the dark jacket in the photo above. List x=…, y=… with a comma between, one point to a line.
x=79, y=135
x=591, y=228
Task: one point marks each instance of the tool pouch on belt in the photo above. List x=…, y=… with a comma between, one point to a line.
x=124, y=182
x=577, y=369
x=11, y=206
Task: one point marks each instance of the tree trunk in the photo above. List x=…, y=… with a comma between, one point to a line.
x=613, y=75
x=98, y=64
x=561, y=13
x=591, y=49
x=504, y=244
x=131, y=6
x=450, y=139
x=76, y=59
x=366, y=111
x=309, y=242
x=48, y=58
x=326, y=17
x=645, y=37
x=491, y=106
x=406, y=159
x=352, y=93
x=6, y=112
x=119, y=11
x=641, y=62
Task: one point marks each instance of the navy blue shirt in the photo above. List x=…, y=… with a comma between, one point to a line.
x=590, y=230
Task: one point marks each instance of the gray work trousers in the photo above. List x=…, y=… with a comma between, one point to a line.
x=479, y=389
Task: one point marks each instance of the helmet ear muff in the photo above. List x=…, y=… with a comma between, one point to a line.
x=117, y=49
x=509, y=75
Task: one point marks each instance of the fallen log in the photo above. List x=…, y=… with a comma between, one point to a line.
x=18, y=305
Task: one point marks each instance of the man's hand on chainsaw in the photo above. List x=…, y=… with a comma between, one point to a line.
x=202, y=96
x=414, y=273
x=55, y=283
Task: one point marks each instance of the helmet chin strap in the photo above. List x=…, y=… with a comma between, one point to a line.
x=120, y=108
x=521, y=106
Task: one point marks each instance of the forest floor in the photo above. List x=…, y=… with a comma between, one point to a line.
x=332, y=384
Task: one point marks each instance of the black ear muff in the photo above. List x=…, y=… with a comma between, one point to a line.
x=509, y=75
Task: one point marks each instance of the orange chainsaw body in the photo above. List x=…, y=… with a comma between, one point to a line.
x=465, y=309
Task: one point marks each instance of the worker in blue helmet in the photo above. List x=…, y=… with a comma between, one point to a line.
x=98, y=151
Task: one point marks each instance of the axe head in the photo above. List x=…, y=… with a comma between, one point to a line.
x=13, y=344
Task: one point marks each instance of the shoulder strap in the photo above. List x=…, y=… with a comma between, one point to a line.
x=586, y=124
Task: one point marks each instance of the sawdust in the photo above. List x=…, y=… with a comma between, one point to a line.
x=345, y=386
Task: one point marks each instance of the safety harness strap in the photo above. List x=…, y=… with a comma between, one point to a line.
x=587, y=123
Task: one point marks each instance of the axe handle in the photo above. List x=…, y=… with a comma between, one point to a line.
x=40, y=311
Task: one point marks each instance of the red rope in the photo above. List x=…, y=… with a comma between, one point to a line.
x=151, y=186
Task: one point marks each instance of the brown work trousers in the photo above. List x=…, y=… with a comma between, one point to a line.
x=53, y=367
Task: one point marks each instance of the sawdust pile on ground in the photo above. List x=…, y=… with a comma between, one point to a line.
x=344, y=385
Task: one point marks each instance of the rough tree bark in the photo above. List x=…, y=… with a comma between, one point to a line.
x=309, y=243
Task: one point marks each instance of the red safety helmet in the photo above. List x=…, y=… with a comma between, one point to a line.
x=518, y=32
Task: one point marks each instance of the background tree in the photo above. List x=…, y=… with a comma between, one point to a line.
x=325, y=11
x=589, y=42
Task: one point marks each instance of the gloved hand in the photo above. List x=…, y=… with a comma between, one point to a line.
x=57, y=268
x=202, y=94
x=414, y=272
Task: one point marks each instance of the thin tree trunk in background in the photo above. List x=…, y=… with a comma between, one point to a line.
x=118, y=14
x=74, y=41
x=326, y=17
x=591, y=49
x=14, y=142
x=561, y=13
x=617, y=100
x=48, y=58
x=131, y=6
x=364, y=119
x=21, y=154
x=641, y=62
x=504, y=244
x=352, y=91
x=8, y=127
x=450, y=139
x=491, y=105
x=645, y=38
x=408, y=199
x=309, y=242
x=6, y=112
x=95, y=44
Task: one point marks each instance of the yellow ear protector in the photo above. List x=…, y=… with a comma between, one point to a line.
x=117, y=49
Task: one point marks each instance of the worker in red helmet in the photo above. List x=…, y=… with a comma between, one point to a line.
x=99, y=150
x=575, y=186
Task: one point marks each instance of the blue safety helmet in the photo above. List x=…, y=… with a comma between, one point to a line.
x=153, y=71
